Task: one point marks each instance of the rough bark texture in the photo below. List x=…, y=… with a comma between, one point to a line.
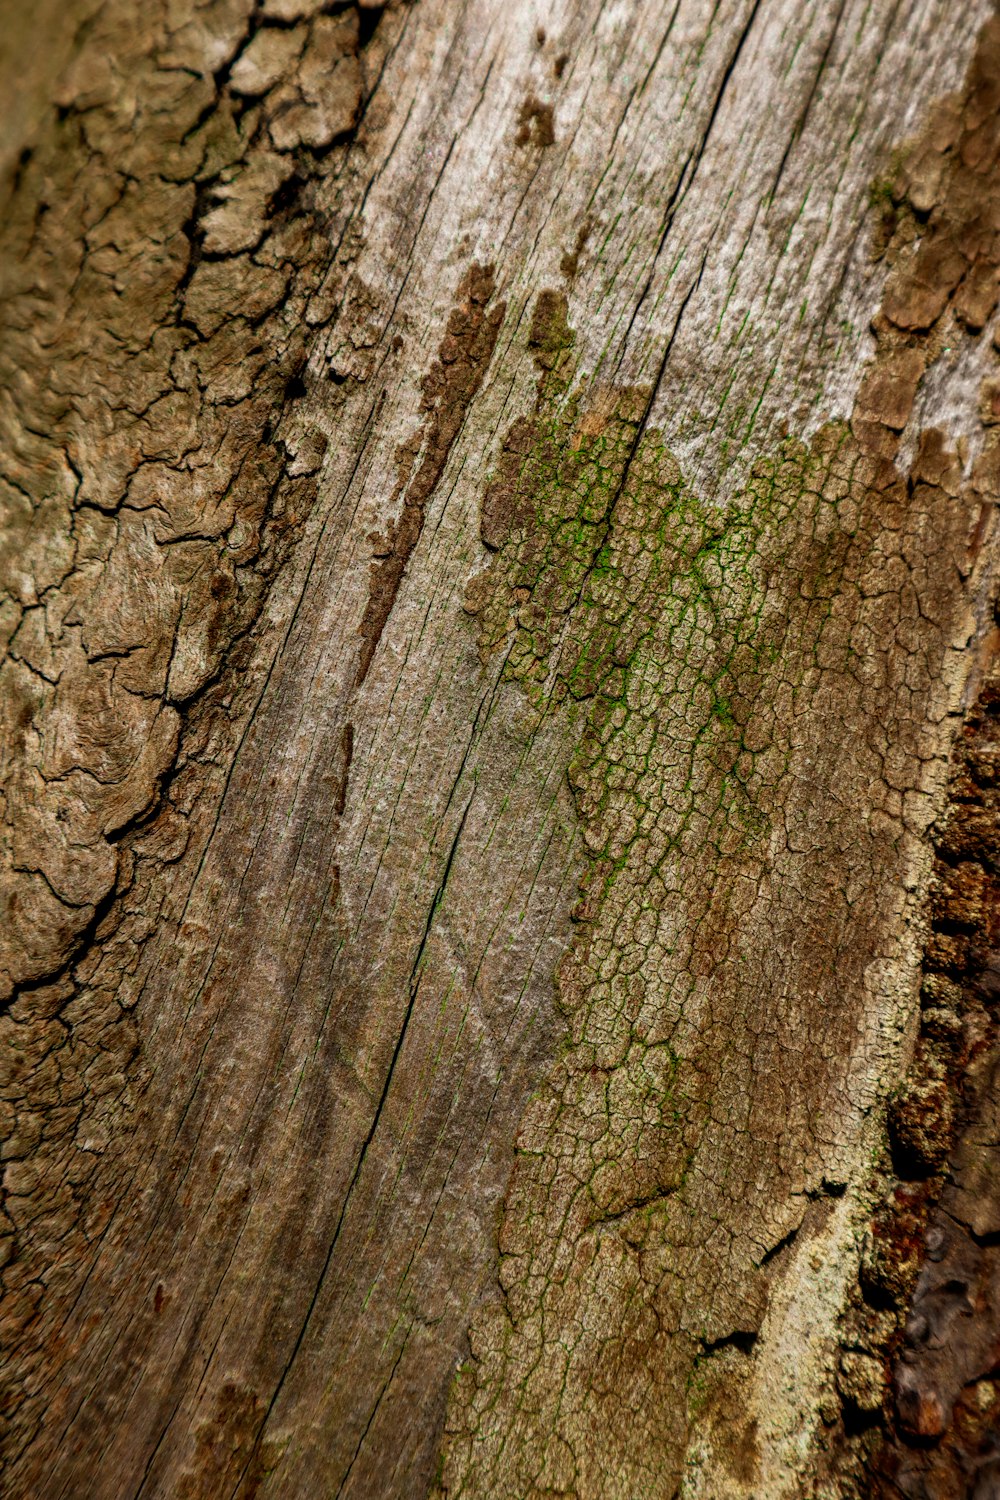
x=498, y=560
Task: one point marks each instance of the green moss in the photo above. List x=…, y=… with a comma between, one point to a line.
x=660, y=615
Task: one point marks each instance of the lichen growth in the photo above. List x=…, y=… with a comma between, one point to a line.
x=719, y=668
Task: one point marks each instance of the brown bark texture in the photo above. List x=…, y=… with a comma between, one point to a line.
x=500, y=701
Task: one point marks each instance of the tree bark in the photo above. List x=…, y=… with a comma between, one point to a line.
x=500, y=830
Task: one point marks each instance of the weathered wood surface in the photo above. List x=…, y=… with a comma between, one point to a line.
x=487, y=620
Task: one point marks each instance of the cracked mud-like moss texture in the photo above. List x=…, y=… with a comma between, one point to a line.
x=756, y=689
x=164, y=269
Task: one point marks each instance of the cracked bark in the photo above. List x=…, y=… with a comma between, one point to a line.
x=499, y=686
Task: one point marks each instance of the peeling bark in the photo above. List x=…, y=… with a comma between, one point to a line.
x=498, y=861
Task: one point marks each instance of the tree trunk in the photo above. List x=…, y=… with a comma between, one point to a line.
x=498, y=561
